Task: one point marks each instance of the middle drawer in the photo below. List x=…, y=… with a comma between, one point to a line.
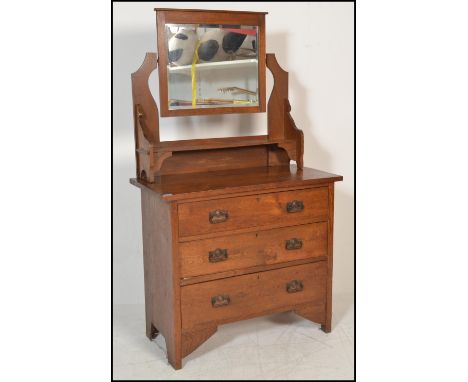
x=274, y=246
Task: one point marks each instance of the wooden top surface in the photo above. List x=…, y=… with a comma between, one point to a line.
x=205, y=10
x=215, y=183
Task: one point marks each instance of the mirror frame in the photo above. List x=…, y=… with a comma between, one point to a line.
x=191, y=16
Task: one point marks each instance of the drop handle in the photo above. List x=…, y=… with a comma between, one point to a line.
x=292, y=244
x=218, y=216
x=217, y=255
x=220, y=300
x=295, y=206
x=294, y=286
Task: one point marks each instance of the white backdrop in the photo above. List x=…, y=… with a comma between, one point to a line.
x=314, y=42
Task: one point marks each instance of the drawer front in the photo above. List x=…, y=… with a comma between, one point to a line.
x=251, y=249
x=235, y=298
x=288, y=207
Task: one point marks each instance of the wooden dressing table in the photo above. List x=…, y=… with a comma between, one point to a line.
x=231, y=229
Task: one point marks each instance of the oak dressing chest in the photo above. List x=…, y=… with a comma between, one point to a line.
x=231, y=229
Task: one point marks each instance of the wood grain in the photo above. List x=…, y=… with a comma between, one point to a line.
x=214, y=154
x=281, y=125
x=188, y=162
x=252, y=249
x=145, y=117
x=327, y=326
x=311, y=312
x=192, y=339
x=214, y=143
x=161, y=290
x=252, y=211
x=253, y=294
x=246, y=271
x=206, y=10
x=250, y=180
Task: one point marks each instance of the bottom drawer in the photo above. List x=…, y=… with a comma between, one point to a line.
x=240, y=297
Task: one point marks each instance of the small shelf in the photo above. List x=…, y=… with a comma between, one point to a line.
x=216, y=143
x=238, y=64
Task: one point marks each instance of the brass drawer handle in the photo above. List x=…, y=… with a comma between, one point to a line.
x=295, y=206
x=293, y=244
x=294, y=286
x=218, y=216
x=217, y=255
x=220, y=300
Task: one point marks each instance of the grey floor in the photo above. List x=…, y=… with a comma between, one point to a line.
x=280, y=346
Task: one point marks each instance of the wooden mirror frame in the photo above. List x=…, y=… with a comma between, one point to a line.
x=192, y=16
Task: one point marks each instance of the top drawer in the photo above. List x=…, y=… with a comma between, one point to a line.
x=286, y=208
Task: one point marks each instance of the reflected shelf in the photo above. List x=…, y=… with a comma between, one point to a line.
x=238, y=64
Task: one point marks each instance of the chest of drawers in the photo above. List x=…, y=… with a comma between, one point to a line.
x=226, y=246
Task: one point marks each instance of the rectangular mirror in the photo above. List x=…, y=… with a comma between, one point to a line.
x=209, y=67
x=212, y=66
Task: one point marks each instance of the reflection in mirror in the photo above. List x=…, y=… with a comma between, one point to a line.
x=212, y=126
x=212, y=65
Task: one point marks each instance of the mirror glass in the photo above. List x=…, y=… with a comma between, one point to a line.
x=211, y=65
